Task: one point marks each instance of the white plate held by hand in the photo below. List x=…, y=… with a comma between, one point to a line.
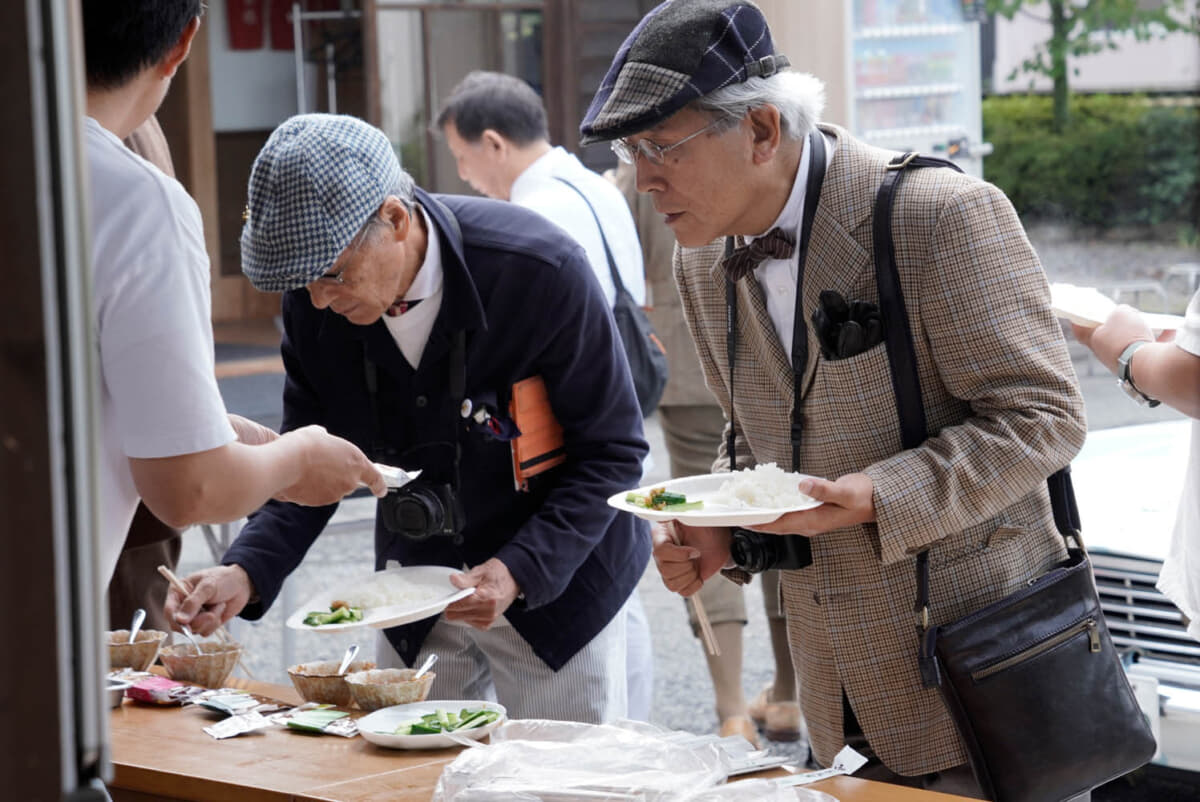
x=1088, y=307
x=379, y=727
x=703, y=488
x=428, y=586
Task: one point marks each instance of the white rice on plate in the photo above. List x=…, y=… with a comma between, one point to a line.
x=386, y=590
x=765, y=485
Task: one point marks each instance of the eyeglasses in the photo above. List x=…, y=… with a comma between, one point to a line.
x=337, y=276
x=655, y=154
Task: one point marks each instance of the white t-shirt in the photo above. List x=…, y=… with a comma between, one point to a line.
x=1180, y=578
x=153, y=330
x=539, y=189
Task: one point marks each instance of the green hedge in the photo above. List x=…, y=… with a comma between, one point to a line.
x=1124, y=160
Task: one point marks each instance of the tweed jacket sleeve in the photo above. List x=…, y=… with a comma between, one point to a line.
x=980, y=306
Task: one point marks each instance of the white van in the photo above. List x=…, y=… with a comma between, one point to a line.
x=1128, y=482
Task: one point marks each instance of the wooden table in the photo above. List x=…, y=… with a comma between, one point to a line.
x=163, y=753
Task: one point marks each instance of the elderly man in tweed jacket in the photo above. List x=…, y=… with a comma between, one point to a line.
x=697, y=100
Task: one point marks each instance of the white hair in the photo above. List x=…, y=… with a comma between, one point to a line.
x=799, y=96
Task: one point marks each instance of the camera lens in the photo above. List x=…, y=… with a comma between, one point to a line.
x=755, y=552
x=752, y=551
x=414, y=512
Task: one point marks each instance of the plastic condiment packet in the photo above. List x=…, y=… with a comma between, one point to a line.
x=232, y=701
x=846, y=761
x=162, y=691
x=321, y=718
x=236, y=725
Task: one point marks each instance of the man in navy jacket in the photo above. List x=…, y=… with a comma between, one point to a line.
x=399, y=307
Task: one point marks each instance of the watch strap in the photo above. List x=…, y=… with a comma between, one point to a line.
x=1125, y=374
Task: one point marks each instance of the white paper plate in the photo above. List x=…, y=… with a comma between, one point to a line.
x=378, y=727
x=435, y=579
x=702, y=488
x=1088, y=307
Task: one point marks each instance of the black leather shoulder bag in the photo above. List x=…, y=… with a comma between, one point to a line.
x=1033, y=681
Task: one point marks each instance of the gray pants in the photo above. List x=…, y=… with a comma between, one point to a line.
x=498, y=665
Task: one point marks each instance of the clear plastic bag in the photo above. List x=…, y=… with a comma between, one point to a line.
x=537, y=760
x=759, y=791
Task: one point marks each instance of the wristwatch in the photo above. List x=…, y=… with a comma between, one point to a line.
x=1125, y=375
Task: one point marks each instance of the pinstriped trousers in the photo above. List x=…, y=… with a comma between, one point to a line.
x=498, y=665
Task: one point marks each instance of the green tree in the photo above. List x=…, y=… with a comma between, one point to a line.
x=1083, y=27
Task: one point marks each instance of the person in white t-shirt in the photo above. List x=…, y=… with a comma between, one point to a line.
x=1166, y=370
x=165, y=436
x=495, y=125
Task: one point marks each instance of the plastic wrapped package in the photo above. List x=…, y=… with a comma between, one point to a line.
x=534, y=760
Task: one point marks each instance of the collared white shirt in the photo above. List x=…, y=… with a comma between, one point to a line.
x=411, y=330
x=777, y=277
x=538, y=188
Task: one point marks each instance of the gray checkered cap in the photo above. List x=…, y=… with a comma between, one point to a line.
x=681, y=51
x=316, y=182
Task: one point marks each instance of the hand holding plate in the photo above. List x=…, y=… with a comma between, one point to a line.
x=848, y=501
x=495, y=591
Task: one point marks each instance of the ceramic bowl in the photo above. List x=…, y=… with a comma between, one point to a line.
x=138, y=655
x=384, y=687
x=209, y=669
x=318, y=682
x=115, y=689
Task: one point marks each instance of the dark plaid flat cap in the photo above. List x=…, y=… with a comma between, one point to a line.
x=682, y=50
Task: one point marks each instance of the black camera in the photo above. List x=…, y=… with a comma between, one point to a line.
x=421, y=510
x=756, y=552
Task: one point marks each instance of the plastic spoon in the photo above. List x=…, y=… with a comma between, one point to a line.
x=139, y=617
x=348, y=659
x=187, y=633
x=429, y=661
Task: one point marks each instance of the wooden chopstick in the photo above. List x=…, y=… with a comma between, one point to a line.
x=706, y=633
x=222, y=634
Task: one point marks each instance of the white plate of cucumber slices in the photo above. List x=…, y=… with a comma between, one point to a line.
x=700, y=502
x=424, y=725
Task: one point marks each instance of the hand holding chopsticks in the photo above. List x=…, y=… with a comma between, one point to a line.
x=186, y=590
x=669, y=534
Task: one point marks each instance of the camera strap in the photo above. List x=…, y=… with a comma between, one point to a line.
x=799, y=355
x=456, y=383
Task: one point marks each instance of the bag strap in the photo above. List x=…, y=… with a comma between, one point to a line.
x=907, y=386
x=612, y=263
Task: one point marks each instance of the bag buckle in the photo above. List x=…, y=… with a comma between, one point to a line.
x=900, y=162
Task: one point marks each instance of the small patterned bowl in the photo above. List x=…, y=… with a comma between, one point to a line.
x=317, y=682
x=138, y=655
x=209, y=669
x=384, y=687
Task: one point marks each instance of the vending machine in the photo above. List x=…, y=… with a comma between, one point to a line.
x=913, y=78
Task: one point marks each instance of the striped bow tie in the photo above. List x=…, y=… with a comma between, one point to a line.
x=775, y=244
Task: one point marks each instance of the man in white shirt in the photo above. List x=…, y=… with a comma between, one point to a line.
x=165, y=435
x=495, y=125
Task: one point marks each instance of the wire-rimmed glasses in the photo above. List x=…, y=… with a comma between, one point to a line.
x=653, y=153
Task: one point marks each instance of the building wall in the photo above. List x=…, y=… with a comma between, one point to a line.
x=1171, y=64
